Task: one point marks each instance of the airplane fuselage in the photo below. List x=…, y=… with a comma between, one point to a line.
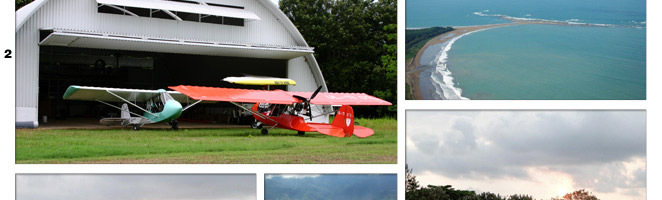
x=172, y=109
x=285, y=121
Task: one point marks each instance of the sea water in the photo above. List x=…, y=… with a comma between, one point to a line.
x=429, y=13
x=551, y=62
x=535, y=61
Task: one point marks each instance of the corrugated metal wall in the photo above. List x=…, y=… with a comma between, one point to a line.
x=83, y=15
x=298, y=69
x=27, y=73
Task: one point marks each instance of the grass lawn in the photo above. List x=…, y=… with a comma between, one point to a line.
x=245, y=146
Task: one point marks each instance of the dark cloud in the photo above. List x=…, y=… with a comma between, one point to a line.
x=138, y=187
x=591, y=146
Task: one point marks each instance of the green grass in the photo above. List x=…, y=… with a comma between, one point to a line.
x=206, y=146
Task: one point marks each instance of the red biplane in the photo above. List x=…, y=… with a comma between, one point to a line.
x=284, y=109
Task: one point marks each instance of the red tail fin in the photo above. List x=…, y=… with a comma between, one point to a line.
x=345, y=119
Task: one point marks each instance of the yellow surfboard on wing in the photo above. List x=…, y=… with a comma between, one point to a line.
x=260, y=81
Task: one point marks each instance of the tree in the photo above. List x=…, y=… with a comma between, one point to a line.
x=578, y=195
x=21, y=3
x=486, y=196
x=355, y=45
x=411, y=184
x=520, y=197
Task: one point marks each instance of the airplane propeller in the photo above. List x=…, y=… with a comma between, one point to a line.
x=306, y=102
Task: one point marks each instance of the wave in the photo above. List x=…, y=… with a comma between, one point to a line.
x=570, y=22
x=445, y=87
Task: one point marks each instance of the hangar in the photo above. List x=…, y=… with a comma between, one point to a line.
x=151, y=44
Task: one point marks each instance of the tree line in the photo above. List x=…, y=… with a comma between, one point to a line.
x=415, y=39
x=436, y=192
x=355, y=45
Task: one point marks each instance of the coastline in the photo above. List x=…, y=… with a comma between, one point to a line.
x=414, y=67
x=413, y=71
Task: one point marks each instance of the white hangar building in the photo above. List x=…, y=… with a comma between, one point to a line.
x=150, y=44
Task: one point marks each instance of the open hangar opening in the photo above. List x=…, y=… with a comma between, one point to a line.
x=60, y=67
x=152, y=44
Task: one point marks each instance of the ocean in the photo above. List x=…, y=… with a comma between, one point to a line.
x=606, y=60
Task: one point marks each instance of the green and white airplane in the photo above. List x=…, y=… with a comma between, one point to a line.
x=160, y=105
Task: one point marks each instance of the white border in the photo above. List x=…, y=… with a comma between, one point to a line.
x=652, y=105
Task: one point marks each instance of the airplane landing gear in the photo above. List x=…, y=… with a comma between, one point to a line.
x=265, y=131
x=174, y=125
x=301, y=133
x=256, y=125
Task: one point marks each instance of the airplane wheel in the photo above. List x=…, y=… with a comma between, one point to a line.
x=301, y=133
x=136, y=127
x=174, y=125
x=256, y=125
x=265, y=131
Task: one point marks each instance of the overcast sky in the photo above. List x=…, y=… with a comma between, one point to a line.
x=541, y=153
x=135, y=187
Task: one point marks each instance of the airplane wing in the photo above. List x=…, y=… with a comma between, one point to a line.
x=328, y=129
x=112, y=121
x=256, y=80
x=335, y=131
x=275, y=96
x=235, y=95
x=88, y=93
x=336, y=98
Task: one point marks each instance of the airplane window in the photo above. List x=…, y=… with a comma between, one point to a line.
x=166, y=97
x=276, y=110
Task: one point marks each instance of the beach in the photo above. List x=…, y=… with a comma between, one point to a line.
x=414, y=67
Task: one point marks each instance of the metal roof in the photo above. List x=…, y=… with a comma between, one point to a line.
x=185, y=7
x=85, y=39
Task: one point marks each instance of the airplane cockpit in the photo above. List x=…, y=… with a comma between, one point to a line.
x=157, y=103
x=274, y=110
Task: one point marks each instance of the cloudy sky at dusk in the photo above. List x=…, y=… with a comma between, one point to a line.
x=135, y=187
x=540, y=153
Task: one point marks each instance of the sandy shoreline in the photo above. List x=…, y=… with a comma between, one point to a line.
x=412, y=76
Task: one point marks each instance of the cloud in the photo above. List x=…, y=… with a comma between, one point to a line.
x=138, y=187
x=594, y=147
x=295, y=176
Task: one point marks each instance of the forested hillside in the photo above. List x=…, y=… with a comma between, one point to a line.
x=416, y=38
x=335, y=186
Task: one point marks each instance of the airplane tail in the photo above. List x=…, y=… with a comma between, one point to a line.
x=343, y=125
x=345, y=119
x=125, y=112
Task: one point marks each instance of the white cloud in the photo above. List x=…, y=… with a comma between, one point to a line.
x=135, y=187
x=295, y=176
x=602, y=151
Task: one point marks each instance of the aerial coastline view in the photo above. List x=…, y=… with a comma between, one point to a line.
x=526, y=50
